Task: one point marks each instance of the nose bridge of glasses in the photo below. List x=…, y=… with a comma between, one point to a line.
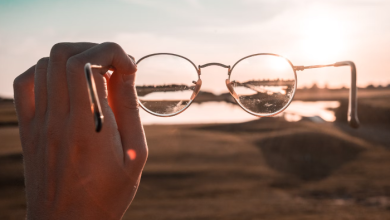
x=214, y=64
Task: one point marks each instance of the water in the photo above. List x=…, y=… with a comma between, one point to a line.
x=299, y=109
x=222, y=112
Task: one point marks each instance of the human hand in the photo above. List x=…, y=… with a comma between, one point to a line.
x=72, y=172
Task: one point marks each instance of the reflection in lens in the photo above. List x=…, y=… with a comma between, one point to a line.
x=165, y=83
x=265, y=84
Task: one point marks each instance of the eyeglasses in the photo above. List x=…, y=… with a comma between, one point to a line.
x=261, y=84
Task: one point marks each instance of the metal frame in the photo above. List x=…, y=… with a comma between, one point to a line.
x=352, y=104
x=98, y=115
x=193, y=95
x=254, y=113
x=93, y=97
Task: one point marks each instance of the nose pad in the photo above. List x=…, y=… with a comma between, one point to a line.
x=229, y=85
x=198, y=84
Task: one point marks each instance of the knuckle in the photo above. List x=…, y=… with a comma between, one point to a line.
x=18, y=81
x=112, y=46
x=42, y=63
x=60, y=52
x=21, y=81
x=123, y=60
x=74, y=65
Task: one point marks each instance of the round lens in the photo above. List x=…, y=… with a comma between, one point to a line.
x=264, y=84
x=165, y=83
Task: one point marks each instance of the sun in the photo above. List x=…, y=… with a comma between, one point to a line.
x=279, y=63
x=323, y=36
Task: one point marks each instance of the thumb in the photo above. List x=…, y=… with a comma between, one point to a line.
x=122, y=97
x=121, y=90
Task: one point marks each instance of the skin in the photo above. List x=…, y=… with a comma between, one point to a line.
x=72, y=172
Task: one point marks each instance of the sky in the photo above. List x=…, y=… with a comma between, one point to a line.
x=307, y=32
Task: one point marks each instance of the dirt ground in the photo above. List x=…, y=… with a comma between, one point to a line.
x=263, y=169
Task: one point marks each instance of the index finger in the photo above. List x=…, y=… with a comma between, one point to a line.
x=105, y=54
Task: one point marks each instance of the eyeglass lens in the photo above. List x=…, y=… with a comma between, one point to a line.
x=165, y=83
x=265, y=84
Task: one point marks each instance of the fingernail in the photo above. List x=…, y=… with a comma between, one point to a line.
x=132, y=60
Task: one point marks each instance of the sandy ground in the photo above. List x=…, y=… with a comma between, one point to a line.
x=264, y=169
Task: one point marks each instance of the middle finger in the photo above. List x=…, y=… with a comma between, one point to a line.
x=57, y=89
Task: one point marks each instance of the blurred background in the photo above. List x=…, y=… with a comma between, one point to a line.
x=214, y=161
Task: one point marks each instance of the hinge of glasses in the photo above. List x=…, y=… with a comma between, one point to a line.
x=299, y=68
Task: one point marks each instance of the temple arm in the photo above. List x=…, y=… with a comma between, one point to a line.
x=93, y=97
x=352, y=106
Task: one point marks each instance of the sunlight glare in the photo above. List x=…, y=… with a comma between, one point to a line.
x=279, y=64
x=322, y=35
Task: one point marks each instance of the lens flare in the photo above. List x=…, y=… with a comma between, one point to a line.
x=264, y=84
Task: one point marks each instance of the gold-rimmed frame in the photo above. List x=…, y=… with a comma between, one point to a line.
x=235, y=96
x=98, y=115
x=198, y=85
